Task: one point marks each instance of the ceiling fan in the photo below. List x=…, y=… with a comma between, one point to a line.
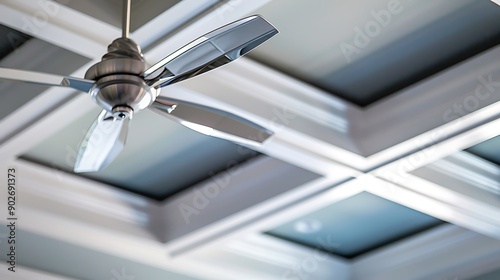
x=122, y=85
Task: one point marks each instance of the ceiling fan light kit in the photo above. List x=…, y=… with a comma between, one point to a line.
x=122, y=85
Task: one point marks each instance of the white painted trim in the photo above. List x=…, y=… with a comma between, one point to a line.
x=470, y=169
x=397, y=170
x=450, y=204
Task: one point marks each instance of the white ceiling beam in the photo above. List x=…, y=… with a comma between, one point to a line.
x=289, y=261
x=397, y=170
x=433, y=110
x=59, y=25
x=450, y=205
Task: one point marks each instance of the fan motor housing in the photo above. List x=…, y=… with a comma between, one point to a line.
x=123, y=90
x=118, y=78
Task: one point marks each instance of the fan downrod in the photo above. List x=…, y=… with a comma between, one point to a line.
x=119, y=84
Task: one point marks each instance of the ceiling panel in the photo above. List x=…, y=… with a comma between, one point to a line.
x=161, y=157
x=10, y=40
x=355, y=225
x=488, y=150
x=363, y=51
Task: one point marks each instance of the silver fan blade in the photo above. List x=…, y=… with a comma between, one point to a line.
x=77, y=83
x=45, y=79
x=211, y=121
x=102, y=143
x=210, y=51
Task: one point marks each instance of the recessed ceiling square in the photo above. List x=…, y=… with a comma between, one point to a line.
x=488, y=150
x=363, y=51
x=160, y=158
x=356, y=225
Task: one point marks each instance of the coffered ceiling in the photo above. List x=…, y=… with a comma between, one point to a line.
x=383, y=164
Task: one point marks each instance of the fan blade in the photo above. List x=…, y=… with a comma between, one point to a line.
x=210, y=51
x=211, y=121
x=77, y=83
x=102, y=143
x=45, y=79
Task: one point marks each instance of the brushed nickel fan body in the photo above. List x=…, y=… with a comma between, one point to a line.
x=122, y=85
x=119, y=87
